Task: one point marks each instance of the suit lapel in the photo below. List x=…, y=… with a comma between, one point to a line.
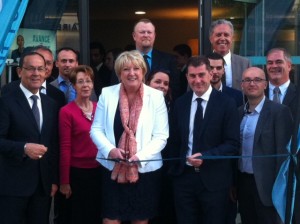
x=25, y=107
x=290, y=94
x=263, y=117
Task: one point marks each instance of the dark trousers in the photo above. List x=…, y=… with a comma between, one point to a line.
x=195, y=204
x=25, y=210
x=85, y=200
x=250, y=206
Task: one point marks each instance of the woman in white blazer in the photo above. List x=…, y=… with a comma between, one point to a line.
x=130, y=129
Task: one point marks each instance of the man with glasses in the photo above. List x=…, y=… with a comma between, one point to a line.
x=28, y=147
x=265, y=130
x=46, y=88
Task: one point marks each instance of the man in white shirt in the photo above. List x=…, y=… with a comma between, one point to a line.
x=221, y=38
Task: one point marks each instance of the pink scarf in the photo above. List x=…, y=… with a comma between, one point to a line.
x=124, y=172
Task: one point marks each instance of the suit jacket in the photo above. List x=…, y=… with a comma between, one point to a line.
x=219, y=136
x=162, y=60
x=272, y=134
x=235, y=94
x=52, y=92
x=20, y=175
x=290, y=98
x=238, y=65
x=152, y=130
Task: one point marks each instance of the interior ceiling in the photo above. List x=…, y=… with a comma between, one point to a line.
x=163, y=9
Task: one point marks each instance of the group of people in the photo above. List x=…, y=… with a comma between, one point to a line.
x=162, y=131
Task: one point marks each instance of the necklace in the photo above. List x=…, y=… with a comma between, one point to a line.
x=87, y=112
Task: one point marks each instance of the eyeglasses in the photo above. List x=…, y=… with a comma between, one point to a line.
x=81, y=82
x=255, y=81
x=33, y=69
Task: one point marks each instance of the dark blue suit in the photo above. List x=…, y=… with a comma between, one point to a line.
x=219, y=136
x=20, y=176
x=235, y=94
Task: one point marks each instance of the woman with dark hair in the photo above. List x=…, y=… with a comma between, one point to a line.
x=160, y=79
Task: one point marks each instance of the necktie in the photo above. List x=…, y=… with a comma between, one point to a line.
x=35, y=110
x=148, y=66
x=197, y=123
x=276, y=95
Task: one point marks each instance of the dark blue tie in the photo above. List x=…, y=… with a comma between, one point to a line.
x=147, y=64
x=197, y=125
x=35, y=110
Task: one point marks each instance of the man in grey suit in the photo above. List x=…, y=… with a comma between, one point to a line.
x=221, y=37
x=265, y=129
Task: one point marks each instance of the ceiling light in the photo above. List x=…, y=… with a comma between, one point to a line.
x=140, y=13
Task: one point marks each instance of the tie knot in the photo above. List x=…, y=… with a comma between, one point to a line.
x=276, y=90
x=199, y=100
x=34, y=98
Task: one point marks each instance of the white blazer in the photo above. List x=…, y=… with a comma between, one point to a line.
x=152, y=130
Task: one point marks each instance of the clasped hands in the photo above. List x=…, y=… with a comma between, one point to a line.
x=194, y=161
x=120, y=155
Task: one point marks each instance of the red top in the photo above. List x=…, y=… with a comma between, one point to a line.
x=76, y=147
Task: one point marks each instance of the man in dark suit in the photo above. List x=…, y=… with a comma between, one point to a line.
x=102, y=73
x=182, y=54
x=218, y=71
x=46, y=88
x=144, y=36
x=201, y=186
x=279, y=65
x=221, y=38
x=266, y=129
x=28, y=147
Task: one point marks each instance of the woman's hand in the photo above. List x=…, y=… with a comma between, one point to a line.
x=66, y=190
x=117, y=153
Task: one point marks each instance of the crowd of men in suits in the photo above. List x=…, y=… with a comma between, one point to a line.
x=223, y=107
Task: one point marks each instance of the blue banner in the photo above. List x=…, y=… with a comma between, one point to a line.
x=11, y=15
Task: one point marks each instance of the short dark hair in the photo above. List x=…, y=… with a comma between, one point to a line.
x=216, y=56
x=42, y=47
x=67, y=49
x=99, y=46
x=196, y=61
x=30, y=53
x=183, y=49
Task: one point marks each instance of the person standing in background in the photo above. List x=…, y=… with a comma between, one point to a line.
x=221, y=38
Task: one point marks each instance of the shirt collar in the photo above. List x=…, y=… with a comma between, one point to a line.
x=27, y=93
x=227, y=58
x=282, y=87
x=205, y=96
x=259, y=106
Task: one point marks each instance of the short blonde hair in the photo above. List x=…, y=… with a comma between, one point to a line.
x=127, y=57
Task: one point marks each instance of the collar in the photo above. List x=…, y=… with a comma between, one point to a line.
x=27, y=93
x=205, y=96
x=99, y=66
x=259, y=106
x=282, y=87
x=227, y=58
x=60, y=79
x=44, y=84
